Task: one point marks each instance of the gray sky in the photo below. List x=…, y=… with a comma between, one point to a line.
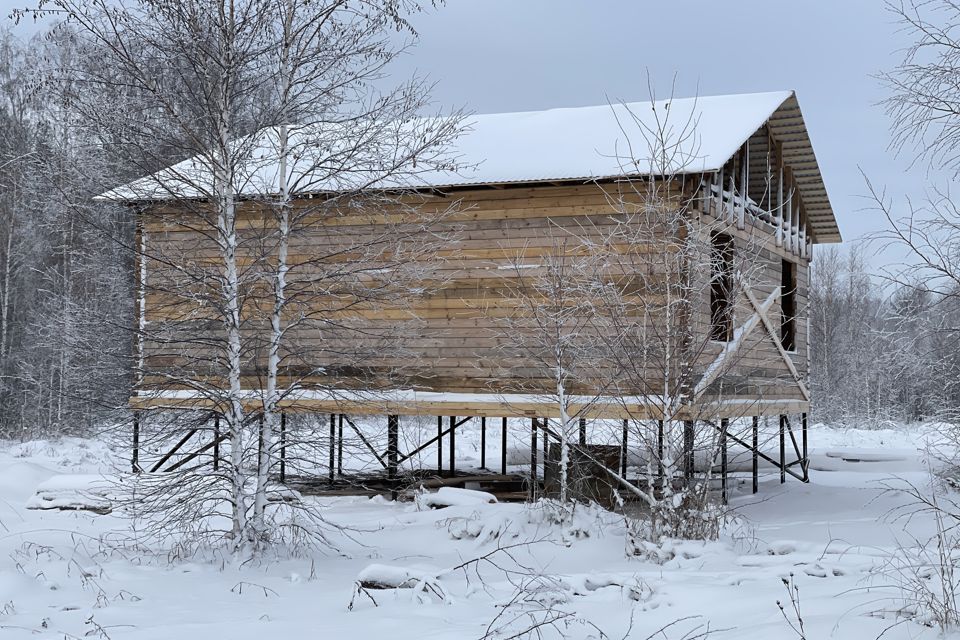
x=512, y=55
x=503, y=55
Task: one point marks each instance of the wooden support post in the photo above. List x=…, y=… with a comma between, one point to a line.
x=806, y=457
x=795, y=223
x=503, y=446
x=453, y=446
x=744, y=184
x=393, y=452
x=802, y=234
x=583, y=432
x=135, y=454
x=483, y=442
x=689, y=435
x=333, y=447
x=724, y=426
x=783, y=449
x=533, y=459
x=755, y=469
x=340, y=444
x=216, y=442
x=283, y=447
x=623, y=450
x=732, y=206
x=778, y=218
x=788, y=206
x=440, y=445
x=720, y=209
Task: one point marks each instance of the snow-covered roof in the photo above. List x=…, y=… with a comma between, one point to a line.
x=567, y=144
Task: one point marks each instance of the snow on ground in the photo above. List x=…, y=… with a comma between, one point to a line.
x=75, y=574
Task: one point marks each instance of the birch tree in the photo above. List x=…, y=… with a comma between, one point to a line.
x=550, y=336
x=324, y=59
x=268, y=101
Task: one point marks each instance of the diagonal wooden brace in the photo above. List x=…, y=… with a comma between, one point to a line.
x=733, y=347
x=771, y=331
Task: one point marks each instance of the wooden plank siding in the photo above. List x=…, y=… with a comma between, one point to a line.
x=450, y=338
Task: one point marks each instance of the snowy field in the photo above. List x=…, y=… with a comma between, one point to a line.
x=67, y=574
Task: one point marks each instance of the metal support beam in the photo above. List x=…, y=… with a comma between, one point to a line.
x=259, y=438
x=724, y=427
x=453, y=446
x=762, y=455
x=689, y=436
x=283, y=447
x=533, y=459
x=783, y=449
x=623, y=450
x=172, y=451
x=393, y=452
x=755, y=469
x=366, y=442
x=439, y=445
x=544, y=423
x=216, y=442
x=197, y=453
x=333, y=447
x=503, y=447
x=340, y=444
x=806, y=457
x=661, y=468
x=483, y=442
x=135, y=454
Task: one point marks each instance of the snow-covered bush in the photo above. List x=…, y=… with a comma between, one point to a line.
x=925, y=571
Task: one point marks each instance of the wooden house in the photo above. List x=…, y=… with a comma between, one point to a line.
x=752, y=184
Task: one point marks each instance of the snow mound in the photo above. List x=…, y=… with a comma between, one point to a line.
x=454, y=497
x=384, y=576
x=19, y=479
x=76, y=455
x=867, y=455
x=79, y=492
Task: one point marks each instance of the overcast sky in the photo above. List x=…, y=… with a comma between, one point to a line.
x=514, y=55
